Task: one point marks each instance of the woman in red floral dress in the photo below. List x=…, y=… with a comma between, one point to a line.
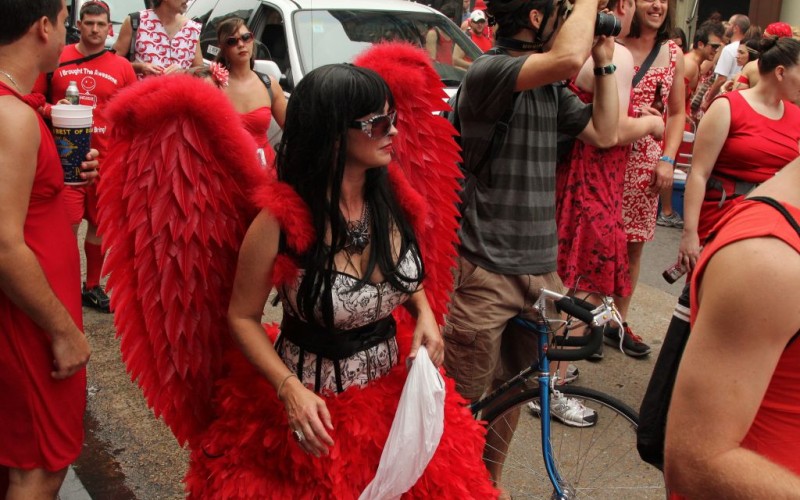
x=651, y=162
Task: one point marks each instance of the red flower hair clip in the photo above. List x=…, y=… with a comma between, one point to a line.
x=220, y=74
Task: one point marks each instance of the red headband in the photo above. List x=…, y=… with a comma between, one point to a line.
x=97, y=2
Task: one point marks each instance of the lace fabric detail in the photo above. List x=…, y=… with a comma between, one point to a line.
x=353, y=308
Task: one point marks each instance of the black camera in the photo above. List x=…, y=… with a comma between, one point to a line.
x=607, y=25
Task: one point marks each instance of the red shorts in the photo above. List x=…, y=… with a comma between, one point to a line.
x=81, y=203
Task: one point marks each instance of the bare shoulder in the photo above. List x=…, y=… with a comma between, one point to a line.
x=759, y=276
x=265, y=226
x=719, y=108
x=623, y=56
x=19, y=125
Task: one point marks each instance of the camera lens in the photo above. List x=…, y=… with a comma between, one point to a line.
x=607, y=25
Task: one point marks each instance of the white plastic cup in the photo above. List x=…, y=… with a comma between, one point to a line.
x=72, y=131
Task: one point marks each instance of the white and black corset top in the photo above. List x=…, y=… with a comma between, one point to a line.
x=353, y=308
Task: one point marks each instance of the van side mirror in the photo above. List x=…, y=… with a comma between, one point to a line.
x=266, y=67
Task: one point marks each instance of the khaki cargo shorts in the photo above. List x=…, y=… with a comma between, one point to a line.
x=481, y=345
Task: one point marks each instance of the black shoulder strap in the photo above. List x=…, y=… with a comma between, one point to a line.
x=646, y=64
x=780, y=208
x=80, y=60
x=498, y=135
x=267, y=81
x=84, y=59
x=496, y=142
x=134, y=28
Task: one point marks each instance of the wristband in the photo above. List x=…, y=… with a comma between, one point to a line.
x=667, y=159
x=605, y=70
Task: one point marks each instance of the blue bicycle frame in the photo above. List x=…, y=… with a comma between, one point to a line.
x=542, y=366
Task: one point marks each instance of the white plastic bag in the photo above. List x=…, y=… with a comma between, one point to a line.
x=415, y=433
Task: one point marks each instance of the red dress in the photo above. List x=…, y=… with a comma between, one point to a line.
x=592, y=247
x=256, y=122
x=639, y=206
x=41, y=417
x=775, y=431
x=755, y=149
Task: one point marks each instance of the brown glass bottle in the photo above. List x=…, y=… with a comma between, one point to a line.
x=658, y=102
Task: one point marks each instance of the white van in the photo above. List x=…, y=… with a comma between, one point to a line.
x=300, y=35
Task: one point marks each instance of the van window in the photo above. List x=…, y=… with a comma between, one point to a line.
x=336, y=36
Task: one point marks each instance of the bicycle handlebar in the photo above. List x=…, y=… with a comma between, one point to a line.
x=589, y=345
x=586, y=345
x=577, y=308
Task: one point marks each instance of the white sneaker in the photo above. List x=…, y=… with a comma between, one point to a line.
x=571, y=374
x=568, y=411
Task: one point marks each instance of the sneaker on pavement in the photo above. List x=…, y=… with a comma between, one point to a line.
x=672, y=220
x=571, y=374
x=568, y=411
x=96, y=298
x=596, y=355
x=631, y=343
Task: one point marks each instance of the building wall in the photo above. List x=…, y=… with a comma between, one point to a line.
x=790, y=12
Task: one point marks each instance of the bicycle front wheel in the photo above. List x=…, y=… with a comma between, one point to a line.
x=598, y=461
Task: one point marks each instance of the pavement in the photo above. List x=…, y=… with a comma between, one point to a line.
x=73, y=489
x=160, y=464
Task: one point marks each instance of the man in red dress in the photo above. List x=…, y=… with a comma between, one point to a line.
x=42, y=348
x=99, y=74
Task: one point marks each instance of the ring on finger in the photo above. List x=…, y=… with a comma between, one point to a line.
x=298, y=435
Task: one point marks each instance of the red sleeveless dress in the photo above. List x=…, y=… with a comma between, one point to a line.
x=592, y=245
x=41, y=417
x=756, y=148
x=775, y=431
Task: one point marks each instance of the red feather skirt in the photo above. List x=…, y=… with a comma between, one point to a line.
x=248, y=451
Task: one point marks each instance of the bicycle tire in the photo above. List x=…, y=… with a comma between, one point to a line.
x=600, y=461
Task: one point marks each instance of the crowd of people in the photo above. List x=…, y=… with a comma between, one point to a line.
x=567, y=202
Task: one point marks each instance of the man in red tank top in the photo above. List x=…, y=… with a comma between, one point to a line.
x=42, y=348
x=99, y=74
x=734, y=421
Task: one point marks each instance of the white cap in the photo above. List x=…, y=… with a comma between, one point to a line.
x=477, y=16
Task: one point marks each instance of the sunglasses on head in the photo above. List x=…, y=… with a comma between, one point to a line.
x=376, y=127
x=233, y=41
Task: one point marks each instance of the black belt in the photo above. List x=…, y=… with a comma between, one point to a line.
x=336, y=345
x=740, y=188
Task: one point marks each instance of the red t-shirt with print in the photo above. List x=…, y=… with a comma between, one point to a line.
x=98, y=80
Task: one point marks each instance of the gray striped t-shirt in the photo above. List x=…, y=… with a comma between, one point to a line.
x=509, y=227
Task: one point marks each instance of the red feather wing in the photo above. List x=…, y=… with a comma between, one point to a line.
x=174, y=206
x=425, y=174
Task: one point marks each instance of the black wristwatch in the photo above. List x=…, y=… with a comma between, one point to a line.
x=605, y=70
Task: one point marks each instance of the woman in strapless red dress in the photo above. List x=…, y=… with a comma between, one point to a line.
x=257, y=99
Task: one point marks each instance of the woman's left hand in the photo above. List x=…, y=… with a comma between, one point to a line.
x=427, y=333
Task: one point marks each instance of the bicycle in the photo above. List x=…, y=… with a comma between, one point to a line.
x=595, y=461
